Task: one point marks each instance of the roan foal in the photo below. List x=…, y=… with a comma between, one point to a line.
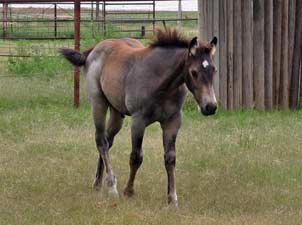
x=149, y=84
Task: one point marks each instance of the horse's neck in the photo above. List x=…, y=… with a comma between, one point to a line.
x=174, y=78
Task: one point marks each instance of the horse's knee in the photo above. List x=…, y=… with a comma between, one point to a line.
x=136, y=158
x=170, y=159
x=101, y=142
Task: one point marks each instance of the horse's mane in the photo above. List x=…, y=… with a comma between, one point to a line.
x=169, y=38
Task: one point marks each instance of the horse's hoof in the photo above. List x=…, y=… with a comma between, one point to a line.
x=112, y=192
x=128, y=192
x=173, y=201
x=97, y=184
x=112, y=186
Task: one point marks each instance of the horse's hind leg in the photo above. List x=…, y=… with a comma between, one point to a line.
x=136, y=156
x=99, y=110
x=103, y=142
x=114, y=125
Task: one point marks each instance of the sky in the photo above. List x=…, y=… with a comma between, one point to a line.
x=187, y=5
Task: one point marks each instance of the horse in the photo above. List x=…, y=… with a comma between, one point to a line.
x=149, y=84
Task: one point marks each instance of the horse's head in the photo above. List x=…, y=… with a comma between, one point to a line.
x=201, y=71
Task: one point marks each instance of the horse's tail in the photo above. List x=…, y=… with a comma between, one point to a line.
x=74, y=57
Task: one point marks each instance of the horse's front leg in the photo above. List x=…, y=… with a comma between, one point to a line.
x=170, y=129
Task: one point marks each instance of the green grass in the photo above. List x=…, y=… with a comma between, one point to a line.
x=232, y=168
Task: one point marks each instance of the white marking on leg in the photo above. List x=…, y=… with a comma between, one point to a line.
x=112, y=186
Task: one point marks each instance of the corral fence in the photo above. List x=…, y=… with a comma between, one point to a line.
x=31, y=28
x=259, y=54
x=40, y=19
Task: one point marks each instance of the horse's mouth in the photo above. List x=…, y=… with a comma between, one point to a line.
x=207, y=113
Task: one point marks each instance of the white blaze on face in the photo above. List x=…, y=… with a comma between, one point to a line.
x=205, y=64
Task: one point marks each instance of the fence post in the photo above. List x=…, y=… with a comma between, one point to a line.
x=291, y=34
x=268, y=49
x=230, y=53
x=277, y=49
x=237, y=55
x=153, y=16
x=247, y=54
x=55, y=19
x=222, y=46
x=297, y=58
x=4, y=17
x=179, y=15
x=283, y=98
x=97, y=14
x=77, y=15
x=216, y=56
x=104, y=17
x=258, y=53
x=202, y=20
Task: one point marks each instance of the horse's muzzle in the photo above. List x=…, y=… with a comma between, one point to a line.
x=209, y=109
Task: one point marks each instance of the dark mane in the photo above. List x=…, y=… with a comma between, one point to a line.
x=169, y=38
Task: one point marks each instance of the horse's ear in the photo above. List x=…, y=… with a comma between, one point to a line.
x=193, y=46
x=213, y=44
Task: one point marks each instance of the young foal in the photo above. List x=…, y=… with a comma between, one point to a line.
x=148, y=84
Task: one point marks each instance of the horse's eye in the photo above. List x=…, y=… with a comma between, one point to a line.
x=194, y=74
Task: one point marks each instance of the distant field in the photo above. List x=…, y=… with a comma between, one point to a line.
x=232, y=168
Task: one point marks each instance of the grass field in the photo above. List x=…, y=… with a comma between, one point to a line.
x=232, y=168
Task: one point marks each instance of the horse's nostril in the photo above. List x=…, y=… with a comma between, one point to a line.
x=208, y=108
x=211, y=108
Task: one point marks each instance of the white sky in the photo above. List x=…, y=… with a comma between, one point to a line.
x=187, y=5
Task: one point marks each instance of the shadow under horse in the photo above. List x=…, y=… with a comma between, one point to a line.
x=149, y=84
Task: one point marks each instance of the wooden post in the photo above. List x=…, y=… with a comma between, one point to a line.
x=297, y=55
x=283, y=95
x=104, y=17
x=202, y=20
x=216, y=56
x=77, y=15
x=291, y=33
x=247, y=54
x=55, y=19
x=300, y=104
x=277, y=49
x=268, y=49
x=237, y=55
x=209, y=19
x=222, y=47
x=91, y=12
x=179, y=22
x=230, y=47
x=143, y=32
x=10, y=18
x=258, y=53
x=97, y=14
x=153, y=16
x=4, y=18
